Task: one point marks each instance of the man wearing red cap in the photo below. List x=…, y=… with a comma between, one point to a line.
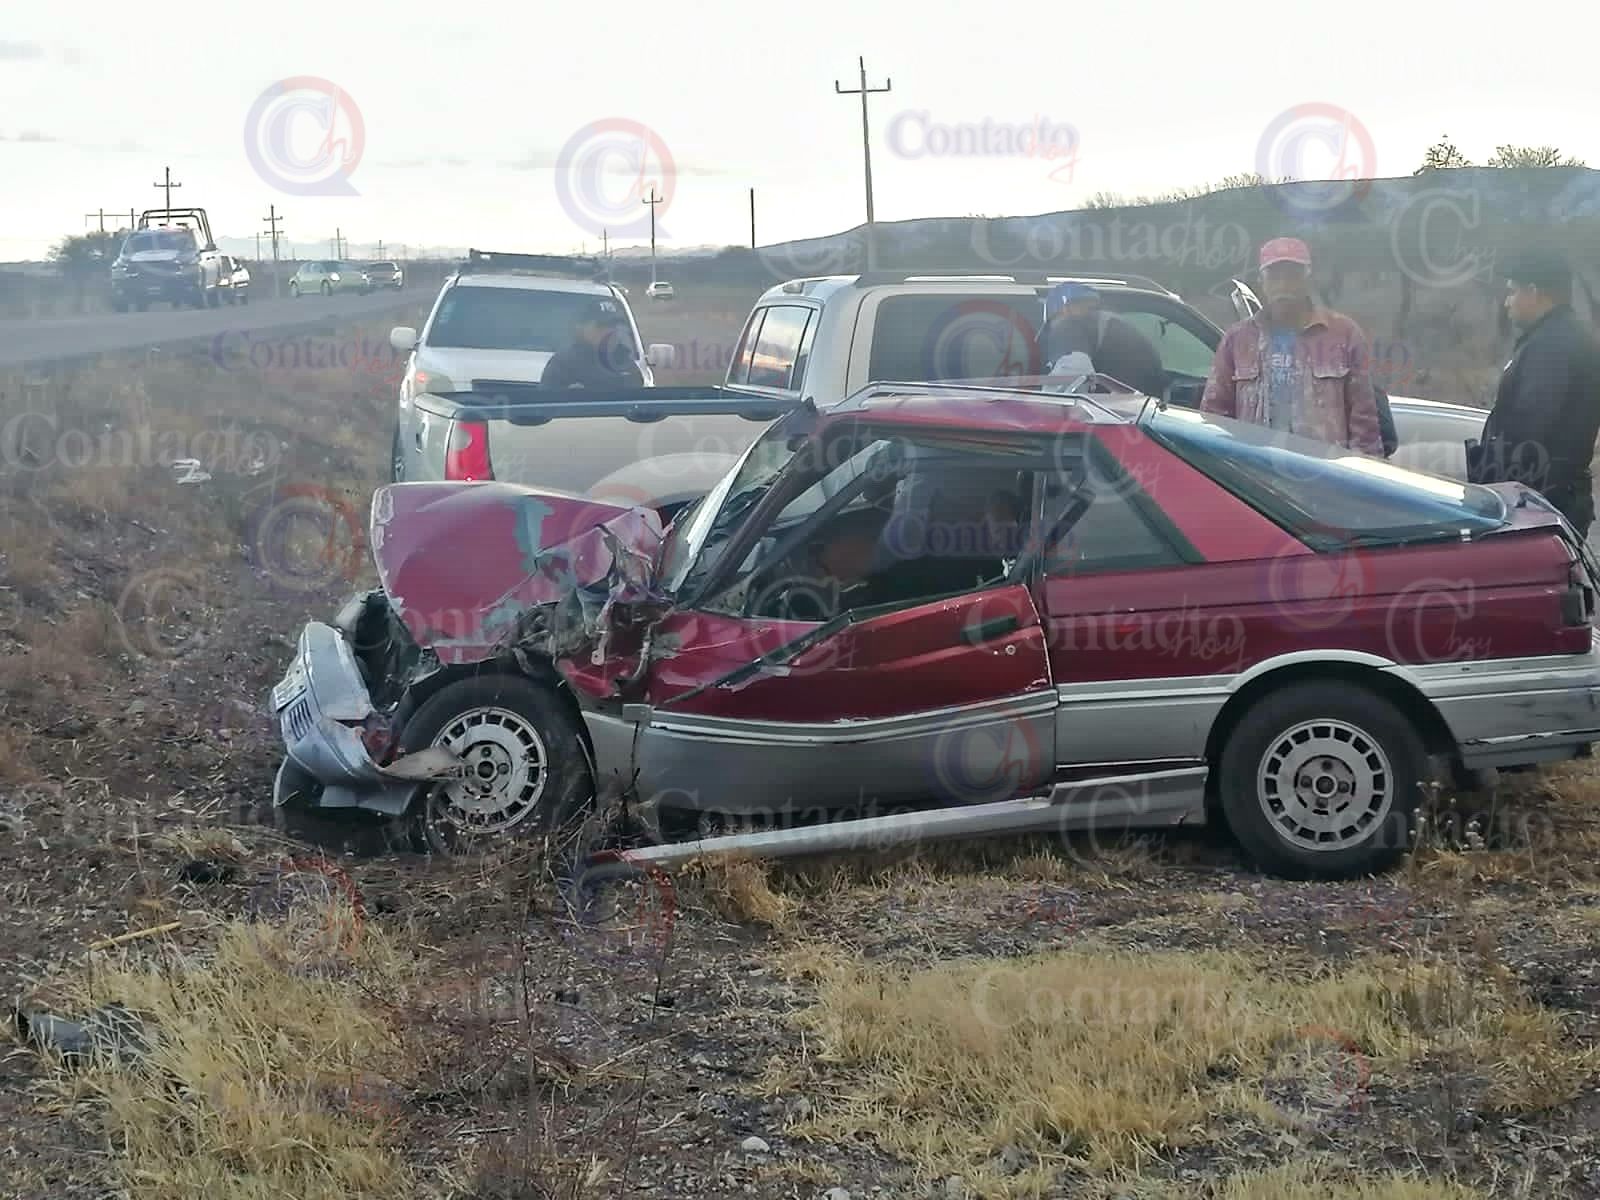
x=1296, y=366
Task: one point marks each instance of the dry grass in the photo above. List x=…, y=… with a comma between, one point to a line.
x=266, y=1079
x=740, y=889
x=1319, y=1181
x=16, y=765
x=27, y=560
x=1104, y=1058
x=1544, y=831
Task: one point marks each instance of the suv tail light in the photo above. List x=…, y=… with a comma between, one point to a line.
x=466, y=454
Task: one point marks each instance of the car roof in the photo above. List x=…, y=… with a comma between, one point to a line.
x=820, y=287
x=966, y=406
x=533, y=283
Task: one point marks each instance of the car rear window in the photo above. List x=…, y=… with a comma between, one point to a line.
x=1321, y=493
x=920, y=339
x=159, y=239
x=496, y=318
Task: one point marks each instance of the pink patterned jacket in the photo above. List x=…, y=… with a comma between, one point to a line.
x=1331, y=394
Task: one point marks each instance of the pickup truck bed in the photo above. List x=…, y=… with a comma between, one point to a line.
x=660, y=447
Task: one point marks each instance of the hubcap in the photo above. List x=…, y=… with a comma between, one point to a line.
x=506, y=771
x=1325, y=785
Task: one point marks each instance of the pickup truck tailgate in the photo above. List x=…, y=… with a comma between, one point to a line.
x=653, y=446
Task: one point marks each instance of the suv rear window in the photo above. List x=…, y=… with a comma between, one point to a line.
x=497, y=318
x=920, y=339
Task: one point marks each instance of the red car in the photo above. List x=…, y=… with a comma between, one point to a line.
x=955, y=611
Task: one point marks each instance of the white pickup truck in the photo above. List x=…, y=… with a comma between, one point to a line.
x=820, y=340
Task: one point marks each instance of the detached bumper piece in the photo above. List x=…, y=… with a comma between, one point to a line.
x=320, y=704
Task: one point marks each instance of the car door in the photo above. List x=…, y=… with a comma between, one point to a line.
x=1135, y=657
x=940, y=692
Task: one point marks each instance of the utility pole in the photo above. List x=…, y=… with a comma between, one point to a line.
x=168, y=186
x=258, y=245
x=652, y=202
x=87, y=217
x=272, y=218
x=866, y=146
x=380, y=249
x=752, y=218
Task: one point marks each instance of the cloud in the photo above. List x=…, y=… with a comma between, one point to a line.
x=20, y=51
x=27, y=135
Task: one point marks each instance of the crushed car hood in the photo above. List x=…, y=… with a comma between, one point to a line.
x=462, y=563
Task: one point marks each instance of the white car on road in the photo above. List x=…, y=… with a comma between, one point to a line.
x=496, y=324
x=660, y=290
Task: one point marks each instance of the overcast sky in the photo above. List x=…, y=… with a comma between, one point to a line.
x=471, y=114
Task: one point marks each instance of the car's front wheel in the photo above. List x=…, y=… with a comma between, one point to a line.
x=327, y=288
x=294, y=290
x=527, y=768
x=1323, y=779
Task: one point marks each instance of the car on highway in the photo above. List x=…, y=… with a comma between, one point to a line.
x=386, y=274
x=495, y=324
x=327, y=276
x=660, y=290
x=167, y=263
x=949, y=611
x=235, y=280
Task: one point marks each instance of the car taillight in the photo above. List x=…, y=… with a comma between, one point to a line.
x=1578, y=601
x=466, y=455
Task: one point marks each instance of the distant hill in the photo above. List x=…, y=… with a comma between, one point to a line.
x=1442, y=228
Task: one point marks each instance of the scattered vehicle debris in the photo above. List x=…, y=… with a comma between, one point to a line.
x=112, y=1032
x=189, y=470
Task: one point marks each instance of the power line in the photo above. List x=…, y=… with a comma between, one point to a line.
x=866, y=145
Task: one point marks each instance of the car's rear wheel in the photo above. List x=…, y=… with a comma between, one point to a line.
x=528, y=771
x=327, y=288
x=1323, y=779
x=294, y=290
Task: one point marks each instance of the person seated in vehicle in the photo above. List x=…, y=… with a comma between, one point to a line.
x=949, y=525
x=1075, y=324
x=600, y=354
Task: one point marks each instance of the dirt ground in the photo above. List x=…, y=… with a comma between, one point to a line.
x=325, y=1017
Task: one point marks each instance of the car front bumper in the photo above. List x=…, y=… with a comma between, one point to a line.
x=1517, y=712
x=154, y=285
x=320, y=704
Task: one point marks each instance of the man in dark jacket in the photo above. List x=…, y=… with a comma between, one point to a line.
x=1075, y=324
x=1546, y=416
x=601, y=354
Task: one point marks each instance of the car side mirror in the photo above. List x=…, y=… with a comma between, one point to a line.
x=661, y=355
x=403, y=338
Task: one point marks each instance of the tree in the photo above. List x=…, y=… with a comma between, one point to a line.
x=1532, y=156
x=82, y=258
x=1442, y=155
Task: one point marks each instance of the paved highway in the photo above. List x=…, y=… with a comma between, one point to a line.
x=58, y=338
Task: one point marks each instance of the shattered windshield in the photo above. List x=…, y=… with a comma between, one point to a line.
x=717, y=514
